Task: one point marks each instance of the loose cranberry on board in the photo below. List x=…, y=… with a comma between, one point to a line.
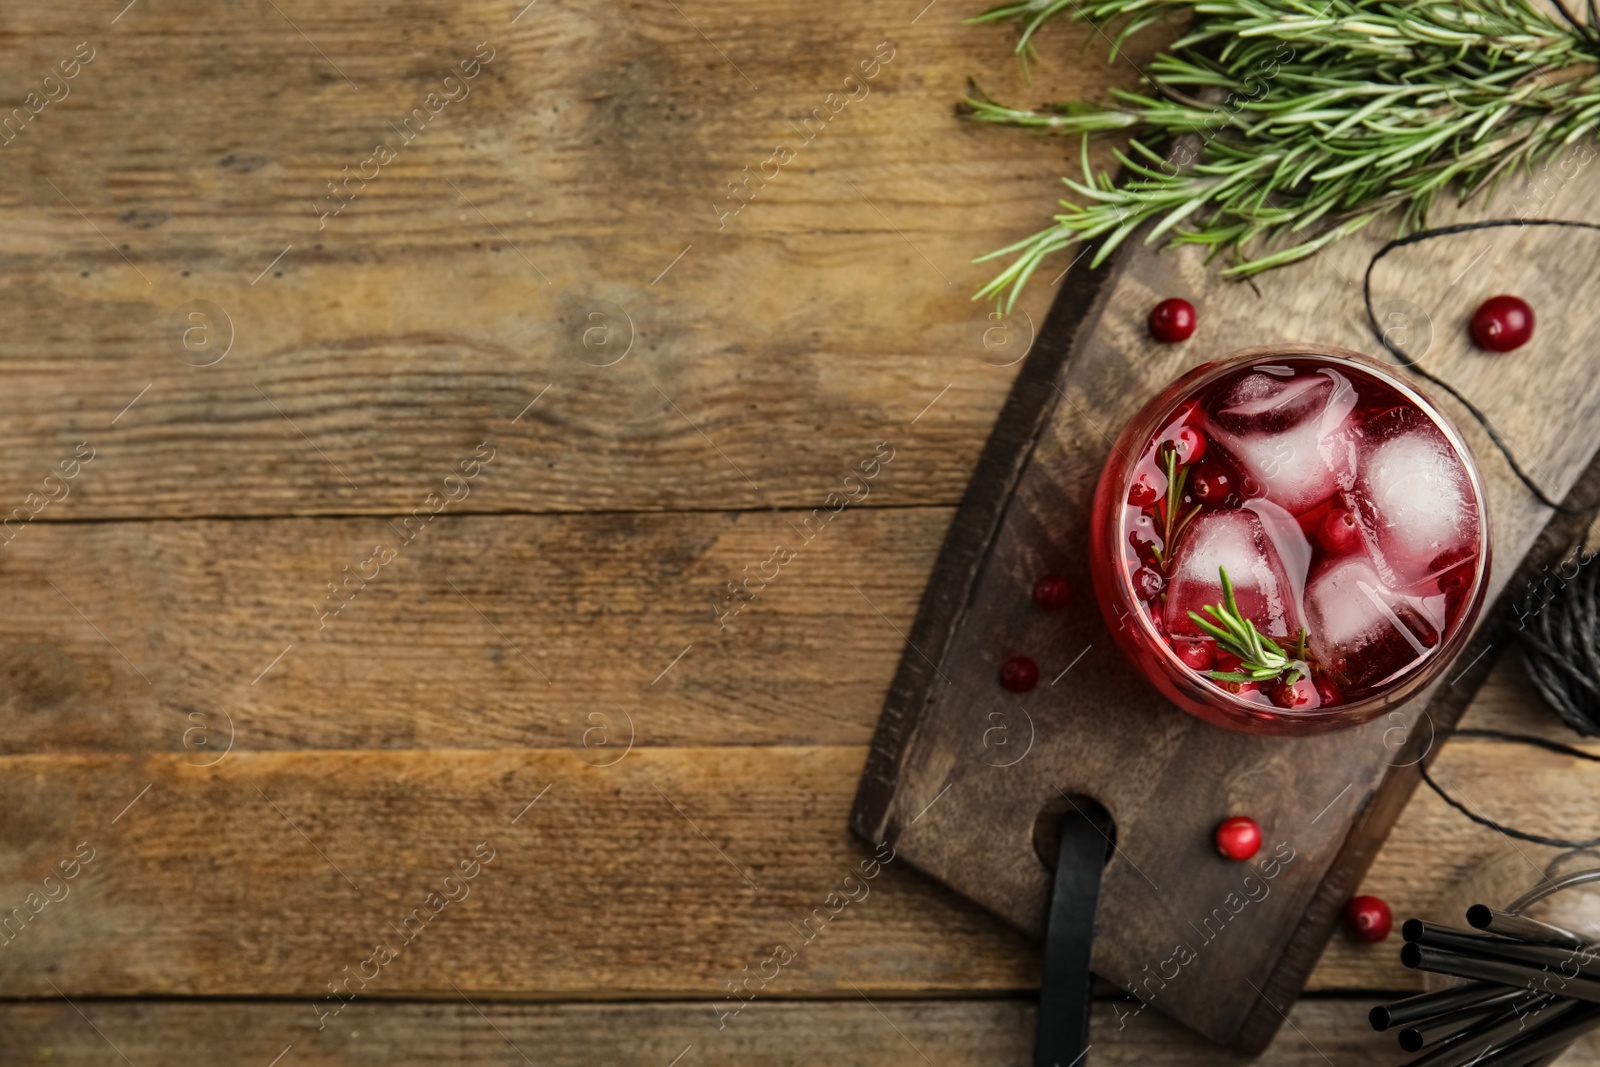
x=1502, y=323
x=1368, y=918
x=1239, y=838
x=1019, y=674
x=1172, y=321
x=1052, y=592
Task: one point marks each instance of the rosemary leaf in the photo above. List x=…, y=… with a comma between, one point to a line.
x=1317, y=119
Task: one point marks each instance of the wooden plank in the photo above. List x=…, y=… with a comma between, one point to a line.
x=669, y=872
x=628, y=881
x=592, y=150
x=807, y=662
x=1167, y=778
x=485, y=631
x=890, y=1033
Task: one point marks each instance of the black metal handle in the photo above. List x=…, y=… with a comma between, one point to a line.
x=1062, y=1036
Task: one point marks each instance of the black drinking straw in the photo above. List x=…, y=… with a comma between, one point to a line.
x=1419, y=1036
x=1465, y=1047
x=1522, y=976
x=1425, y=1032
x=1539, y=1041
x=1567, y=962
x=1490, y=920
x=1425, y=1006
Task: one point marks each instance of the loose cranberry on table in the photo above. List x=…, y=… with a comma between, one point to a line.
x=1172, y=321
x=1052, y=593
x=1368, y=918
x=1019, y=674
x=1239, y=838
x=1502, y=323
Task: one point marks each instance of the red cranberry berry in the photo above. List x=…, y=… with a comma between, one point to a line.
x=1141, y=494
x=1368, y=918
x=1239, y=838
x=1172, y=321
x=1019, y=674
x=1144, y=545
x=1147, y=583
x=1212, y=484
x=1297, y=694
x=1196, y=655
x=1052, y=593
x=1338, y=533
x=1502, y=323
x=1189, y=443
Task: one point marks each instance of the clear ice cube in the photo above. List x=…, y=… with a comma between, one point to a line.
x=1291, y=435
x=1362, y=632
x=1235, y=539
x=1417, y=509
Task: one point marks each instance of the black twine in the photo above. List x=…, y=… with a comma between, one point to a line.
x=1561, y=646
x=1414, y=367
x=1510, y=831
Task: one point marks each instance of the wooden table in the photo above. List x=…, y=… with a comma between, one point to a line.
x=401, y=512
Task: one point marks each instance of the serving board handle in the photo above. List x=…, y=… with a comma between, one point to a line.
x=1062, y=1036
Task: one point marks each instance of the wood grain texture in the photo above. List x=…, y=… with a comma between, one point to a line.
x=1167, y=779
x=883, y=1033
x=593, y=149
x=673, y=870
x=666, y=874
x=365, y=364
x=484, y=631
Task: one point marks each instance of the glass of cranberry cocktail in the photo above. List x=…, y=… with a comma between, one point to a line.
x=1290, y=540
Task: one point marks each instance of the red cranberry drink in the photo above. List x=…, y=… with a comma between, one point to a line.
x=1290, y=540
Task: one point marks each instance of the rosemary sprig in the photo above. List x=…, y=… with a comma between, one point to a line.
x=1260, y=658
x=1172, y=523
x=1305, y=120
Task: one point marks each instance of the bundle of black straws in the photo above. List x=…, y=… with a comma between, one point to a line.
x=1532, y=989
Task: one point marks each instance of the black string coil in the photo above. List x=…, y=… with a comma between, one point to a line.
x=1560, y=640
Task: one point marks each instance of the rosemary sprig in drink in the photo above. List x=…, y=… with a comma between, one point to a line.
x=1320, y=118
x=1172, y=523
x=1260, y=658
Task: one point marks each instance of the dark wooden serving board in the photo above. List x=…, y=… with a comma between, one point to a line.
x=962, y=773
